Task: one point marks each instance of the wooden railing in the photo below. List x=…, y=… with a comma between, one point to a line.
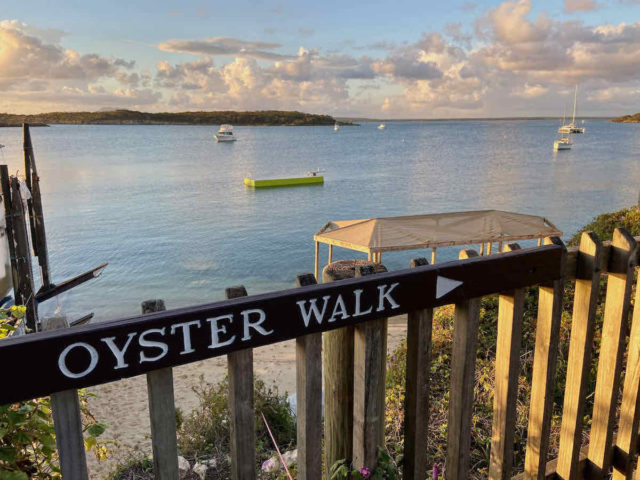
x=63, y=360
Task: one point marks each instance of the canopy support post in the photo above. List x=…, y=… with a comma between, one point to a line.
x=489, y=247
x=539, y=241
x=482, y=249
x=433, y=255
x=317, y=267
x=500, y=247
x=370, y=256
x=380, y=257
x=330, y=253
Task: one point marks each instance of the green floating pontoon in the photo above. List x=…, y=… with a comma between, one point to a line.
x=311, y=179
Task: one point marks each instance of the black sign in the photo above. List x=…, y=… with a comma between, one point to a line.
x=43, y=363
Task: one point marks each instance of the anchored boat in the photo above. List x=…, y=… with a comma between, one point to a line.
x=225, y=134
x=312, y=178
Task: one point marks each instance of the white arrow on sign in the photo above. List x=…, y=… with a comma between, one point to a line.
x=445, y=285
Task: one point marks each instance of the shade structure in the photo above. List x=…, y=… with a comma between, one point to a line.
x=377, y=235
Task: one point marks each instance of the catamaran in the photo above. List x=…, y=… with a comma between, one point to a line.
x=564, y=143
x=225, y=134
x=572, y=127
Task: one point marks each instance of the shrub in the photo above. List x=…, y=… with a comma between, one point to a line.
x=604, y=225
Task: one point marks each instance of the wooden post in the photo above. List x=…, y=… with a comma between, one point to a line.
x=539, y=241
x=309, y=398
x=627, y=439
x=507, y=369
x=317, y=264
x=36, y=215
x=337, y=372
x=162, y=413
x=330, y=253
x=416, y=410
x=489, y=247
x=500, y=246
x=369, y=373
x=614, y=327
x=482, y=249
x=24, y=290
x=67, y=421
x=543, y=376
x=8, y=215
x=463, y=364
x=579, y=360
x=243, y=436
x=433, y=256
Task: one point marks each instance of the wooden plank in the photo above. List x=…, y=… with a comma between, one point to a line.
x=416, y=405
x=369, y=374
x=162, y=414
x=433, y=255
x=309, y=399
x=614, y=328
x=317, y=262
x=572, y=256
x=67, y=422
x=82, y=356
x=463, y=364
x=507, y=369
x=241, y=410
x=24, y=290
x=579, y=361
x=337, y=373
x=36, y=215
x=627, y=438
x=8, y=216
x=543, y=376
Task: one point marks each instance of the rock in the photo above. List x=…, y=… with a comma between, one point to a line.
x=183, y=467
x=271, y=465
x=290, y=457
x=201, y=470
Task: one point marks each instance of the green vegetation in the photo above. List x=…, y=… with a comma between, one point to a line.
x=603, y=225
x=627, y=119
x=27, y=436
x=130, y=117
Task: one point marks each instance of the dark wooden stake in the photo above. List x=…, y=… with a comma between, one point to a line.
x=36, y=215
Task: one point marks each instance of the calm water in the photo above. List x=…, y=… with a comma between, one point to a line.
x=166, y=206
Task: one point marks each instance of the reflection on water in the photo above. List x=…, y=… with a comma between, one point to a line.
x=167, y=208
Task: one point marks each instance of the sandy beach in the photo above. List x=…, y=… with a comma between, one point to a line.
x=123, y=404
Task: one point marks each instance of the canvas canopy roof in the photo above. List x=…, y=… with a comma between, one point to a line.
x=374, y=235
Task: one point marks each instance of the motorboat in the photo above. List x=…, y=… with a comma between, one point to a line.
x=382, y=126
x=572, y=127
x=225, y=134
x=336, y=127
x=564, y=143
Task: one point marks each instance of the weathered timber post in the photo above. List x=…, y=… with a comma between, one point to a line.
x=369, y=367
x=36, y=215
x=621, y=270
x=67, y=422
x=550, y=298
x=337, y=371
x=8, y=215
x=241, y=409
x=24, y=290
x=309, y=398
x=162, y=413
x=463, y=365
x=416, y=405
x=507, y=368
x=579, y=361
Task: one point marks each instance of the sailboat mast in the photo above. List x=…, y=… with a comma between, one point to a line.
x=575, y=102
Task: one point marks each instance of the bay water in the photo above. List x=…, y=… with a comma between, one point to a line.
x=167, y=208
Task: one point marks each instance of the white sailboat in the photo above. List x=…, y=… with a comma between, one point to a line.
x=382, y=126
x=572, y=127
x=336, y=127
x=564, y=143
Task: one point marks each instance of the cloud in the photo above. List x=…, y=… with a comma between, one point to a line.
x=225, y=46
x=571, y=6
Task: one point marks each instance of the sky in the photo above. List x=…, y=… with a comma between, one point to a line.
x=377, y=59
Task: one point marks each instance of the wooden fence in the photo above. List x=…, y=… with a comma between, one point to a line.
x=70, y=358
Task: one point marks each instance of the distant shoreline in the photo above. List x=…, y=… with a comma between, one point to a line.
x=132, y=117
x=475, y=119
x=627, y=119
